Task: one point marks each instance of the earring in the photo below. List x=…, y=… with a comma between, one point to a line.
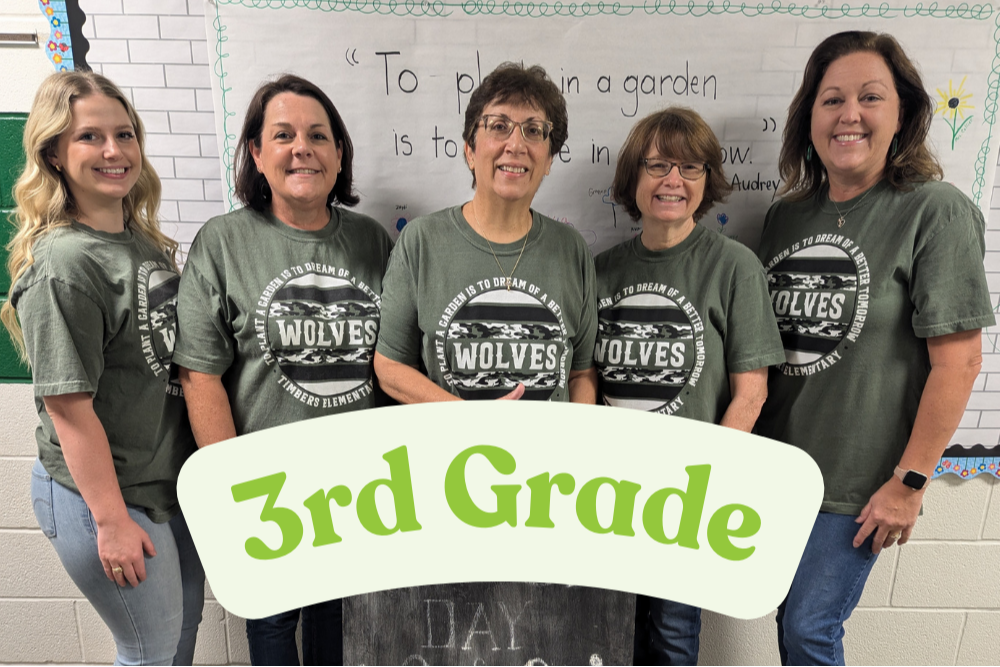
x=58, y=168
x=895, y=145
x=809, y=153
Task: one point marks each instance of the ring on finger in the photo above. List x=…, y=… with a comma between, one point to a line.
x=895, y=536
x=117, y=569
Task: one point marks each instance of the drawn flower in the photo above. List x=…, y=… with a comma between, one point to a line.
x=57, y=59
x=49, y=11
x=57, y=34
x=956, y=101
x=965, y=473
x=952, y=105
x=55, y=22
x=52, y=46
x=939, y=470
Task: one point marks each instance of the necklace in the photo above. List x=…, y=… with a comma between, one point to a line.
x=843, y=216
x=509, y=278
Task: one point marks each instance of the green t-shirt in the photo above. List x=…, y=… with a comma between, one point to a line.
x=98, y=315
x=447, y=310
x=854, y=305
x=287, y=317
x=673, y=324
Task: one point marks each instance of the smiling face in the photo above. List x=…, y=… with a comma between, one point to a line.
x=298, y=154
x=510, y=169
x=98, y=154
x=854, y=117
x=670, y=200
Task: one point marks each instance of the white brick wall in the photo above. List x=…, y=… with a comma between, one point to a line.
x=934, y=601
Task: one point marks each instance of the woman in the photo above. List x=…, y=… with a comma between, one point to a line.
x=685, y=324
x=490, y=298
x=94, y=286
x=278, y=308
x=876, y=276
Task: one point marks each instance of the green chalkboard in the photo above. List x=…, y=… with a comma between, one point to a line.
x=11, y=164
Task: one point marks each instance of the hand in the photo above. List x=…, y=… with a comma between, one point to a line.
x=515, y=393
x=121, y=545
x=891, y=511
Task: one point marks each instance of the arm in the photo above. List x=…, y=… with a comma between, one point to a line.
x=120, y=540
x=955, y=362
x=408, y=385
x=749, y=390
x=583, y=386
x=208, y=407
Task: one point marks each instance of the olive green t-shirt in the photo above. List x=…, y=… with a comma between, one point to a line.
x=447, y=310
x=98, y=315
x=287, y=317
x=673, y=324
x=854, y=306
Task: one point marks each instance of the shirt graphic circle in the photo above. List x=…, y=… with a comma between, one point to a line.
x=156, y=292
x=321, y=330
x=813, y=293
x=645, y=351
x=501, y=338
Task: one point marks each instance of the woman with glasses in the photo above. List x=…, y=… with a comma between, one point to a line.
x=685, y=323
x=490, y=299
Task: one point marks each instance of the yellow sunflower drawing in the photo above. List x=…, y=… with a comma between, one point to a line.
x=954, y=104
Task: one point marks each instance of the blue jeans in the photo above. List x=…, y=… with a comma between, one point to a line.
x=272, y=638
x=666, y=632
x=825, y=590
x=155, y=623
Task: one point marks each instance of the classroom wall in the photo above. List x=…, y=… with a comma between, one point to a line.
x=936, y=600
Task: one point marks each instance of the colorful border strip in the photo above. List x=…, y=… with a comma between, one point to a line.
x=966, y=467
x=59, y=48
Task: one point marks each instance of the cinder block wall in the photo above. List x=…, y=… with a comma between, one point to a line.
x=934, y=601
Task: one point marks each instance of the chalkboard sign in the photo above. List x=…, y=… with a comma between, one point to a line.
x=489, y=624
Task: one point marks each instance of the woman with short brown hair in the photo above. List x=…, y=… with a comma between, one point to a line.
x=278, y=307
x=685, y=326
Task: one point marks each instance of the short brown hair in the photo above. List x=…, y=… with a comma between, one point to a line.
x=678, y=133
x=251, y=186
x=913, y=160
x=514, y=83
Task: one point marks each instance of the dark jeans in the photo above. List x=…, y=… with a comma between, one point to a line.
x=666, y=632
x=825, y=590
x=272, y=638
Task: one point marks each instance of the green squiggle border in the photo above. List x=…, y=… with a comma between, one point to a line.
x=543, y=9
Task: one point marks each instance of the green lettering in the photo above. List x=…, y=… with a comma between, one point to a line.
x=401, y=488
x=318, y=505
x=457, y=492
x=719, y=532
x=541, y=497
x=621, y=521
x=287, y=520
x=693, y=504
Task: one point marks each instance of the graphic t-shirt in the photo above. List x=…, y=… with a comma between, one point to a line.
x=446, y=307
x=854, y=305
x=673, y=324
x=288, y=318
x=98, y=315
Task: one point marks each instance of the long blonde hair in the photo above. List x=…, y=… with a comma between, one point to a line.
x=42, y=200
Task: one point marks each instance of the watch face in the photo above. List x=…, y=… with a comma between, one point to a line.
x=914, y=479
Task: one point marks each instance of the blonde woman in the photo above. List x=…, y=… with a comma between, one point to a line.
x=94, y=287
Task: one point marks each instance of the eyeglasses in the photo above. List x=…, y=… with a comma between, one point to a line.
x=689, y=171
x=500, y=127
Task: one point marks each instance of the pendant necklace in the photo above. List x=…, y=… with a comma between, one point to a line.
x=509, y=278
x=843, y=216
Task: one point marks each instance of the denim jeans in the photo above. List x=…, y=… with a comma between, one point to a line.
x=825, y=590
x=155, y=623
x=272, y=638
x=666, y=632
